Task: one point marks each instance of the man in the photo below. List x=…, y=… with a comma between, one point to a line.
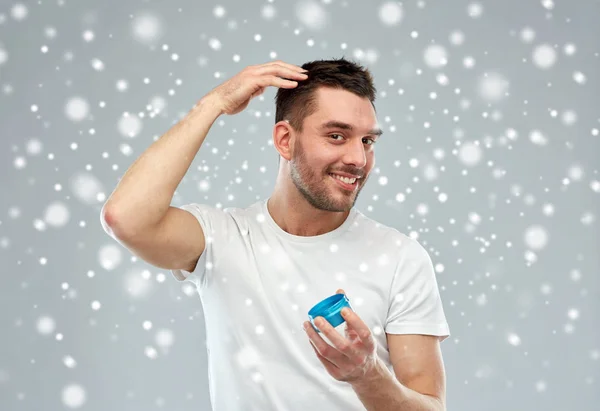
x=260, y=269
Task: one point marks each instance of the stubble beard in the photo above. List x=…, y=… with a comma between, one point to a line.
x=317, y=190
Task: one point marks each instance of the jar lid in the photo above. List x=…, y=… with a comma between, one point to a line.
x=330, y=309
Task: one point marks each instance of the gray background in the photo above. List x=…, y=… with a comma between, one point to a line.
x=511, y=138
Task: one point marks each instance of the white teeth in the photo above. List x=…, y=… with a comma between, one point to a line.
x=344, y=179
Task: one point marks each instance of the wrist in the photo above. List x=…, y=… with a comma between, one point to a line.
x=373, y=376
x=209, y=103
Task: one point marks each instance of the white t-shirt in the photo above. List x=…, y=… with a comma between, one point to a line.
x=258, y=282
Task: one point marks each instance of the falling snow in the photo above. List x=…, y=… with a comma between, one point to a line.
x=489, y=158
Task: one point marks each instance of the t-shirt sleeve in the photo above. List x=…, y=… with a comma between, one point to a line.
x=213, y=222
x=415, y=302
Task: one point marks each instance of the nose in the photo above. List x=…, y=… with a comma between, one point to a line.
x=355, y=154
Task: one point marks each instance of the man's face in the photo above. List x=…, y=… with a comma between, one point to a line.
x=324, y=149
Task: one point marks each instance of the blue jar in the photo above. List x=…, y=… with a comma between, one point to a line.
x=330, y=309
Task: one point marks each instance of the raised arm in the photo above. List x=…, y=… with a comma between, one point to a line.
x=138, y=212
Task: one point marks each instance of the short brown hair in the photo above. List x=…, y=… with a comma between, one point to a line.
x=295, y=104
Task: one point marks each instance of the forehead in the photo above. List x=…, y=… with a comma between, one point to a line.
x=344, y=106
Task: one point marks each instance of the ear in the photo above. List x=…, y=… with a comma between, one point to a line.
x=283, y=139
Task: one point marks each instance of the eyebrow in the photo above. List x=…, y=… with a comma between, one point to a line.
x=349, y=127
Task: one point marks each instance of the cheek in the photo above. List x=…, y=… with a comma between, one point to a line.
x=370, y=162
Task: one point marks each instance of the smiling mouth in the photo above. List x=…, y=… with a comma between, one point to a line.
x=344, y=182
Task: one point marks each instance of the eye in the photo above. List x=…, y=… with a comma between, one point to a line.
x=370, y=139
x=373, y=141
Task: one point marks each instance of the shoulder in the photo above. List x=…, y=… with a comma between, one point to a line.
x=391, y=238
x=243, y=217
x=219, y=210
x=378, y=231
x=218, y=219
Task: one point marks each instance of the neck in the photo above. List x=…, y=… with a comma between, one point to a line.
x=297, y=216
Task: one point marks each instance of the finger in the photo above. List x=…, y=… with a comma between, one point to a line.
x=351, y=334
x=283, y=72
x=356, y=324
x=278, y=82
x=343, y=345
x=317, y=340
x=326, y=350
x=267, y=81
x=323, y=360
x=284, y=64
x=331, y=368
